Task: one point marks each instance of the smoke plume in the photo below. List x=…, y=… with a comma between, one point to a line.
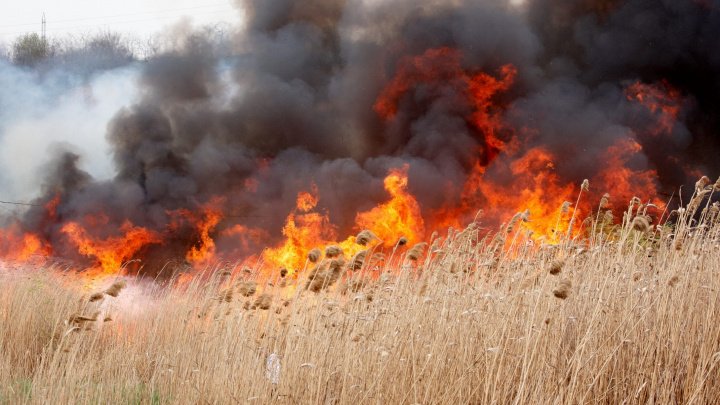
x=484, y=104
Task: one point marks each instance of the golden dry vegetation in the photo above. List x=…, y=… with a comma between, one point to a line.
x=625, y=314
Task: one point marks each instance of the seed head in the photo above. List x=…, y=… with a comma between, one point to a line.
x=585, y=185
x=605, y=200
x=402, y=241
x=247, y=288
x=333, y=251
x=700, y=185
x=416, y=251
x=556, y=267
x=565, y=207
x=115, y=288
x=314, y=255
x=358, y=260
x=96, y=297
x=641, y=223
x=365, y=237
x=263, y=301
x=562, y=290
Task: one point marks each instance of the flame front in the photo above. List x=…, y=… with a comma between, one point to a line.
x=508, y=174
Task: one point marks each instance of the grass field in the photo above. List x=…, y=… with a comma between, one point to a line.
x=623, y=315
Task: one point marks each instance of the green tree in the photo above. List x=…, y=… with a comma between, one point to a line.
x=30, y=49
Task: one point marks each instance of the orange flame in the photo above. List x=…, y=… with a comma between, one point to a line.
x=21, y=246
x=400, y=216
x=112, y=252
x=303, y=231
x=204, y=224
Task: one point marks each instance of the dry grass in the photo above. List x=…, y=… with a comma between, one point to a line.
x=461, y=323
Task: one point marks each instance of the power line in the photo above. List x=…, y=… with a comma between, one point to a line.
x=20, y=203
x=120, y=15
x=107, y=24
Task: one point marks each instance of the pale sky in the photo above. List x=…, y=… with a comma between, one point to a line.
x=136, y=17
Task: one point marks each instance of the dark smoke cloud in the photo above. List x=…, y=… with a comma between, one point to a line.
x=292, y=105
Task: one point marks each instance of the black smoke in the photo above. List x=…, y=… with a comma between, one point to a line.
x=290, y=104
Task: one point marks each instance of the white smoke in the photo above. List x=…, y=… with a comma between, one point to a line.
x=41, y=112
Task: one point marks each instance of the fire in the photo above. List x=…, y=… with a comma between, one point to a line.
x=510, y=177
x=21, y=246
x=661, y=99
x=110, y=253
x=202, y=224
x=305, y=228
x=529, y=183
x=400, y=216
x=443, y=67
x=303, y=231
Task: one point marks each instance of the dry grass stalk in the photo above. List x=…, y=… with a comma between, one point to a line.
x=603, y=345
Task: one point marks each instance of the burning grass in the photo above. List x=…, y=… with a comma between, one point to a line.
x=624, y=315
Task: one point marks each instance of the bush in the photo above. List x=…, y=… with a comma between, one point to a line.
x=30, y=50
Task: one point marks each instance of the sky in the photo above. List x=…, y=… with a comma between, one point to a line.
x=139, y=18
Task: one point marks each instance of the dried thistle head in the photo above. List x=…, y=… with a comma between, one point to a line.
x=115, y=288
x=333, y=251
x=402, y=241
x=673, y=280
x=365, y=237
x=283, y=272
x=556, y=267
x=314, y=255
x=562, y=290
x=637, y=276
x=585, y=186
